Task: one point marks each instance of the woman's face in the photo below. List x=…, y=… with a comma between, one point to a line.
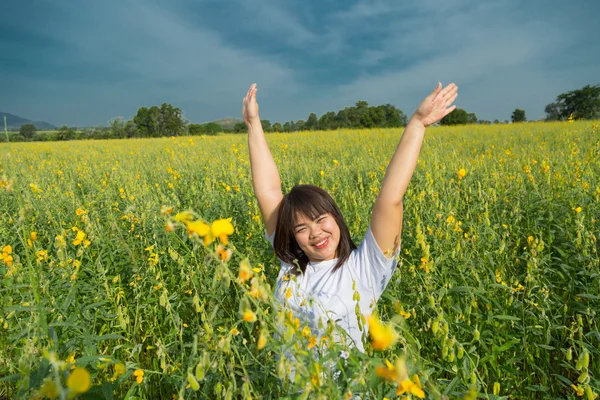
x=318, y=238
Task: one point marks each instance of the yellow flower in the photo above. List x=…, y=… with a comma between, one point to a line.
x=249, y=316
x=33, y=236
x=7, y=249
x=222, y=228
x=288, y=293
x=234, y=331
x=262, y=341
x=165, y=210
x=139, y=375
x=119, y=369
x=80, y=211
x=79, y=238
x=306, y=332
x=413, y=387
x=578, y=210
x=382, y=337
x=578, y=390
x=405, y=314
x=79, y=381
x=70, y=358
x=198, y=227
x=245, y=271
x=461, y=173
x=49, y=389
x=450, y=219
x=223, y=253
x=312, y=342
x=183, y=216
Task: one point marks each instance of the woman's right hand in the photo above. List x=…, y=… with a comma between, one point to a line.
x=250, y=108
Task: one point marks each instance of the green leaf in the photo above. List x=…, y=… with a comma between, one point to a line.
x=537, y=388
x=543, y=346
x=506, y=318
x=588, y=296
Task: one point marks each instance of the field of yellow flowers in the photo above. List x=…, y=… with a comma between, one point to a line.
x=138, y=269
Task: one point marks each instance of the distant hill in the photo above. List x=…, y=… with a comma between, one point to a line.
x=14, y=122
x=228, y=122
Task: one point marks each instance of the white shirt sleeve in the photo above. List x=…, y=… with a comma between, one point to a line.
x=372, y=268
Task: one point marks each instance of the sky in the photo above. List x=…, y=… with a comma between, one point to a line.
x=83, y=63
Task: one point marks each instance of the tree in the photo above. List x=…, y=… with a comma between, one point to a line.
x=277, y=127
x=212, y=128
x=164, y=121
x=117, y=128
x=27, y=131
x=582, y=103
x=298, y=125
x=471, y=118
x=456, y=117
x=266, y=125
x=65, y=133
x=518, y=116
x=311, y=122
x=240, y=127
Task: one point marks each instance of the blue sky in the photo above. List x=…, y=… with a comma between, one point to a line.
x=83, y=63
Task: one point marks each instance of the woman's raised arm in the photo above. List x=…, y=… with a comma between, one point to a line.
x=386, y=220
x=265, y=177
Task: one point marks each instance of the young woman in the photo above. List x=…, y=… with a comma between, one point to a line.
x=321, y=268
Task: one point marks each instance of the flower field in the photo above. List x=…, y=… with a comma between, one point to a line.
x=139, y=268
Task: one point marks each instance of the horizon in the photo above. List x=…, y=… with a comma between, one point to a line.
x=84, y=64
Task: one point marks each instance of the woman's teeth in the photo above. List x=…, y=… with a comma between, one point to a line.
x=322, y=243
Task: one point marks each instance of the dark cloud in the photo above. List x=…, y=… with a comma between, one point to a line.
x=83, y=63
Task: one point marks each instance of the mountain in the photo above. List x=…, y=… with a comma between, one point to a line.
x=14, y=122
x=228, y=122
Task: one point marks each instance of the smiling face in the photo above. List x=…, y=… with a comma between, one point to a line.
x=318, y=238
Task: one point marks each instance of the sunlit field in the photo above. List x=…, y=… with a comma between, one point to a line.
x=121, y=275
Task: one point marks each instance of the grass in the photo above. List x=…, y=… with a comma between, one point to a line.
x=495, y=295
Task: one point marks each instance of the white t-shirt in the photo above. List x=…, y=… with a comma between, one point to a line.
x=321, y=294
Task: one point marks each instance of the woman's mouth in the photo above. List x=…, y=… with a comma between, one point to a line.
x=322, y=243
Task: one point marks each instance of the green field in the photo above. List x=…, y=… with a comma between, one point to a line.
x=496, y=294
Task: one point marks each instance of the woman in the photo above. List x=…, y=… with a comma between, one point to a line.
x=321, y=268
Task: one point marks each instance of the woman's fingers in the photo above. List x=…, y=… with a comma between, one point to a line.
x=449, y=110
x=448, y=89
x=436, y=91
x=451, y=99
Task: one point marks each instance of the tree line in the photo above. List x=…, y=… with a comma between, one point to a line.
x=168, y=120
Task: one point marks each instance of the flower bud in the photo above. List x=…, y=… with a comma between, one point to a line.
x=193, y=382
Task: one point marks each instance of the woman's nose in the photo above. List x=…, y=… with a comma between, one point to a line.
x=315, y=232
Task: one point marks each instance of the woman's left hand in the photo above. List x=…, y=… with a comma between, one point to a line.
x=437, y=105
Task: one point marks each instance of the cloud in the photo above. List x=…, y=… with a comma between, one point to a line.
x=83, y=63
x=159, y=57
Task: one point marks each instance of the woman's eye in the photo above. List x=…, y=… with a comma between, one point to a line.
x=300, y=230
x=321, y=219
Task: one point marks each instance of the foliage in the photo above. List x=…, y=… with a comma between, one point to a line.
x=582, y=103
x=518, y=116
x=156, y=122
x=27, y=131
x=209, y=128
x=456, y=117
x=65, y=133
x=496, y=293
